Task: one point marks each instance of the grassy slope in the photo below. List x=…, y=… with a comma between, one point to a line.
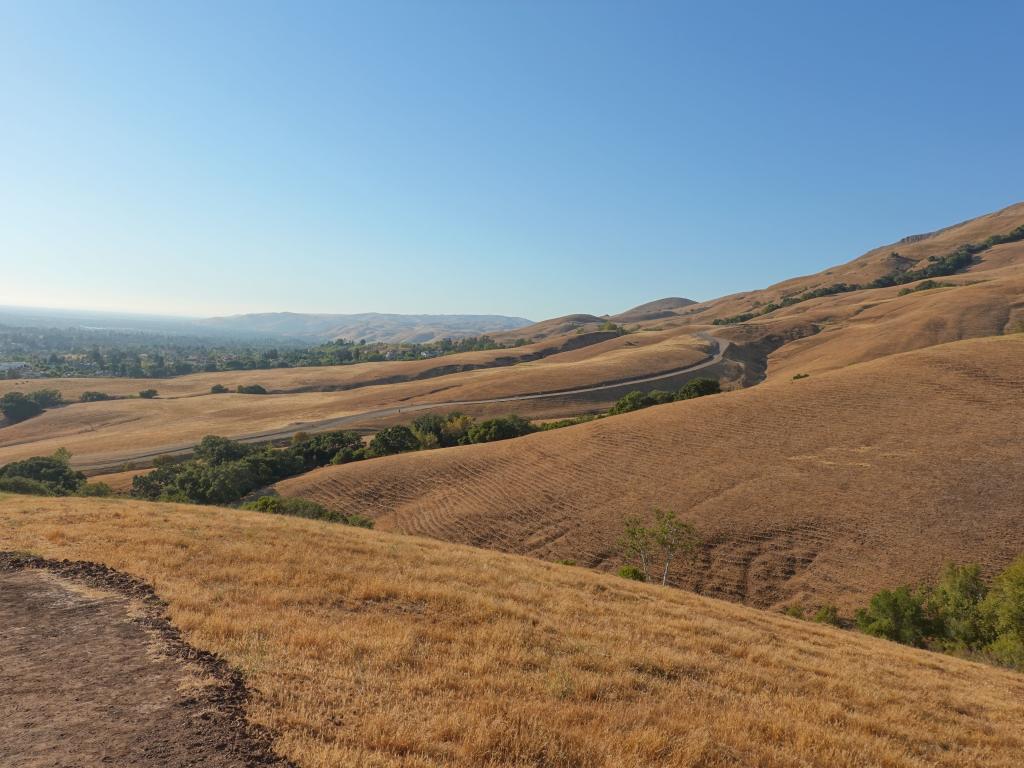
x=822, y=489
x=372, y=649
x=97, y=430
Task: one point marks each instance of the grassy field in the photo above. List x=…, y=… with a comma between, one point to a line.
x=371, y=649
x=819, y=490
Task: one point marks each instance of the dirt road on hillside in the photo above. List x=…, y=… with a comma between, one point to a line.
x=92, y=677
x=113, y=463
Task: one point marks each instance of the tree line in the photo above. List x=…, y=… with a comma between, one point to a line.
x=935, y=266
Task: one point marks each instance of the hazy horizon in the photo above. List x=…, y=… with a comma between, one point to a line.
x=529, y=160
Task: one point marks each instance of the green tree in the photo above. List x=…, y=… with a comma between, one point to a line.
x=17, y=406
x=503, y=428
x=632, y=401
x=666, y=540
x=54, y=472
x=897, y=615
x=1003, y=611
x=214, y=449
x=391, y=440
x=955, y=604
x=46, y=398
x=698, y=388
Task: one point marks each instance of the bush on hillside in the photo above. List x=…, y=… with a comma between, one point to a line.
x=148, y=394
x=896, y=615
x=698, y=388
x=392, y=440
x=94, y=397
x=827, y=614
x=632, y=572
x=503, y=428
x=955, y=606
x=1003, y=612
x=101, y=490
x=54, y=472
x=17, y=406
x=632, y=401
x=24, y=485
x=218, y=389
x=251, y=389
x=296, y=507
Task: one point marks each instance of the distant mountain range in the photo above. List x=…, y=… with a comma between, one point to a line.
x=292, y=327
x=372, y=326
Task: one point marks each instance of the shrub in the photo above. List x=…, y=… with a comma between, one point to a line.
x=24, y=485
x=632, y=572
x=218, y=389
x=955, y=604
x=251, y=389
x=1003, y=610
x=795, y=611
x=698, y=388
x=46, y=398
x=827, y=614
x=660, y=397
x=17, y=406
x=296, y=507
x=94, y=397
x=95, y=489
x=148, y=394
x=896, y=615
x=499, y=429
x=632, y=401
x=54, y=472
x=217, y=450
x=319, y=450
x=359, y=521
x=799, y=376
x=392, y=440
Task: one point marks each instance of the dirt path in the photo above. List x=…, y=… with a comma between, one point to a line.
x=113, y=463
x=91, y=675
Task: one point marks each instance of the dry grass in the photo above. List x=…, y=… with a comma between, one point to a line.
x=369, y=649
x=823, y=489
x=115, y=430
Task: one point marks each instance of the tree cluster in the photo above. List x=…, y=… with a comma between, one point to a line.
x=936, y=266
x=961, y=614
x=636, y=400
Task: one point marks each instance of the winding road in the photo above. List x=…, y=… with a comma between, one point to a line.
x=107, y=464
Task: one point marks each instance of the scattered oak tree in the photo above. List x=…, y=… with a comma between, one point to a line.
x=658, y=545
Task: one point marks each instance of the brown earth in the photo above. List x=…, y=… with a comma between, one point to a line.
x=92, y=675
x=363, y=648
x=824, y=489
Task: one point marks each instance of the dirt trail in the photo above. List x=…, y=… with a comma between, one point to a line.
x=92, y=675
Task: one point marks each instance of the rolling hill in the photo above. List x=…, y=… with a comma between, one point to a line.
x=372, y=326
x=818, y=490
x=365, y=648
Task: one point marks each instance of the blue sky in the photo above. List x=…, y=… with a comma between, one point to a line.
x=525, y=158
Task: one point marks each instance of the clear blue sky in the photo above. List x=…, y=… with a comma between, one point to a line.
x=525, y=158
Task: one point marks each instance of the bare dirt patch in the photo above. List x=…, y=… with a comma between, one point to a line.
x=92, y=674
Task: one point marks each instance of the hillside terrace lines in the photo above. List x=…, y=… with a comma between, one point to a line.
x=366, y=647
x=876, y=473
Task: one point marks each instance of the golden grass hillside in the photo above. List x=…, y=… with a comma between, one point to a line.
x=370, y=649
x=115, y=431
x=819, y=490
